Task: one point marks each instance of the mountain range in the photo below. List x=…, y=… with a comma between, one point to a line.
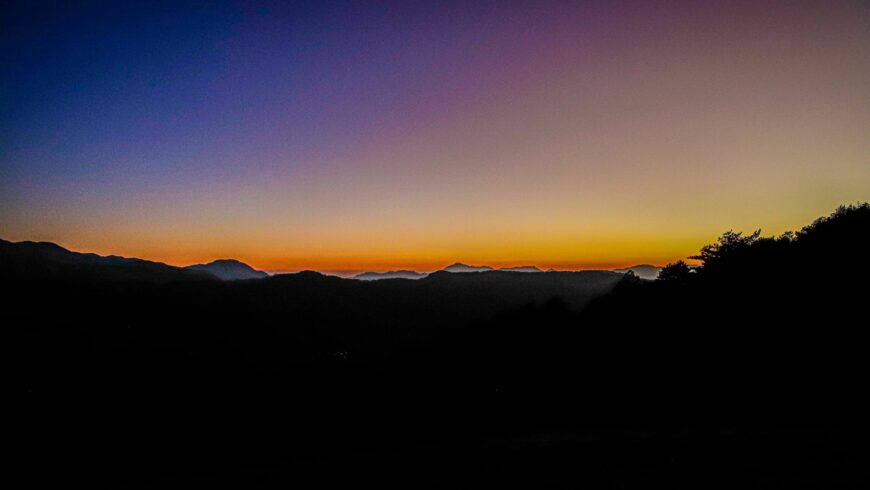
x=435, y=294
x=460, y=267
x=35, y=261
x=644, y=271
x=403, y=274
x=453, y=268
x=522, y=268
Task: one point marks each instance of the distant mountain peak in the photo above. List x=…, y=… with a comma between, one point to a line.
x=400, y=274
x=460, y=267
x=229, y=270
x=228, y=262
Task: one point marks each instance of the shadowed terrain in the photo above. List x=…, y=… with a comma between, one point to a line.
x=135, y=373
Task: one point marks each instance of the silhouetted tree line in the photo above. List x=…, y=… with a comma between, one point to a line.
x=137, y=378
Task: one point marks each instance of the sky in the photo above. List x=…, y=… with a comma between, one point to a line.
x=386, y=135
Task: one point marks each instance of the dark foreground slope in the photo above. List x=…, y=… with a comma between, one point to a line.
x=126, y=378
x=750, y=371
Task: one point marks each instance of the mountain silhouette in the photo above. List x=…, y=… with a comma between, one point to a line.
x=521, y=268
x=460, y=267
x=456, y=268
x=402, y=274
x=229, y=270
x=643, y=271
x=44, y=261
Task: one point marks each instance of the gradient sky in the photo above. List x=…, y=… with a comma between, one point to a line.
x=380, y=135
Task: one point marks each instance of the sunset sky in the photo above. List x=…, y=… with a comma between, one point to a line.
x=384, y=135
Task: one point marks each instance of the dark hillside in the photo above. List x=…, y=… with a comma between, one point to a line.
x=40, y=262
x=130, y=380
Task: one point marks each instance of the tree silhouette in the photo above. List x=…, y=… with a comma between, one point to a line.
x=676, y=271
x=727, y=245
